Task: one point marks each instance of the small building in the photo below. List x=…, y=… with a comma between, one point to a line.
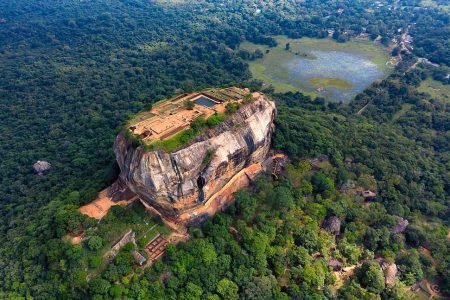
x=368, y=195
x=138, y=257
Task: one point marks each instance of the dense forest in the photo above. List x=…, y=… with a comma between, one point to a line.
x=73, y=71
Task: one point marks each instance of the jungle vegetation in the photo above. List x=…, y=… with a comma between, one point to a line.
x=72, y=72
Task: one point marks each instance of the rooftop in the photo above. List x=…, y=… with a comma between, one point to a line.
x=171, y=116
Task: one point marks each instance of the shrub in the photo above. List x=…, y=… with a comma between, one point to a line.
x=232, y=107
x=95, y=261
x=189, y=105
x=95, y=243
x=214, y=120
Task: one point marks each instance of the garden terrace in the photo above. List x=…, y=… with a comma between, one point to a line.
x=169, y=117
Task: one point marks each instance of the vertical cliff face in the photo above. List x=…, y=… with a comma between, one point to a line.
x=181, y=181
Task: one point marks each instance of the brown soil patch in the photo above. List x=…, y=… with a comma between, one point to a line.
x=74, y=239
x=98, y=208
x=428, y=254
x=433, y=290
x=176, y=237
x=342, y=276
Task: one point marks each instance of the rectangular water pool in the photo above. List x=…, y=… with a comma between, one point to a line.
x=204, y=101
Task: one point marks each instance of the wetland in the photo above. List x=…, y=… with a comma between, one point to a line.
x=320, y=67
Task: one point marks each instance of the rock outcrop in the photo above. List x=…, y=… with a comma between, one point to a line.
x=390, y=273
x=332, y=225
x=181, y=181
x=400, y=226
x=41, y=167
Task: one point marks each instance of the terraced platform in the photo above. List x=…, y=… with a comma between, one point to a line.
x=169, y=117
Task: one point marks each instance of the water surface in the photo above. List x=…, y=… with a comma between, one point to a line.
x=354, y=68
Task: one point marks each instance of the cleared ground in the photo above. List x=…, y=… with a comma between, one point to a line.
x=435, y=89
x=98, y=208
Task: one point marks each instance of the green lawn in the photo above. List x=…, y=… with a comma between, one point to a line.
x=405, y=108
x=435, y=89
x=334, y=82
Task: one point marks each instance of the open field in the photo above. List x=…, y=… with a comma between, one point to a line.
x=405, y=108
x=435, y=89
x=337, y=71
x=334, y=82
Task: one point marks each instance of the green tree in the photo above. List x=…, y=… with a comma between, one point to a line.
x=95, y=261
x=99, y=286
x=191, y=292
x=371, y=277
x=95, y=242
x=189, y=105
x=227, y=289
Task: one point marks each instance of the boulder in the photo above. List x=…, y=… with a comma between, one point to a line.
x=332, y=225
x=41, y=166
x=401, y=225
x=335, y=264
x=390, y=273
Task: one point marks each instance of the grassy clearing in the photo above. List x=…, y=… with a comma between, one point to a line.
x=405, y=108
x=176, y=141
x=333, y=82
x=143, y=115
x=420, y=295
x=435, y=89
x=431, y=3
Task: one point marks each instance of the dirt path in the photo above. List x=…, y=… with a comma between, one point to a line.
x=433, y=292
x=362, y=109
x=98, y=208
x=422, y=60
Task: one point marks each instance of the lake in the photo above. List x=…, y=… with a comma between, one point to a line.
x=335, y=71
x=355, y=70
